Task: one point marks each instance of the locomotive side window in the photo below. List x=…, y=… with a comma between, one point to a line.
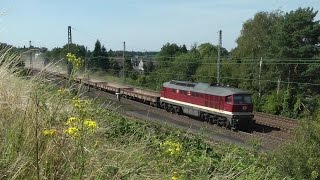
x=229, y=99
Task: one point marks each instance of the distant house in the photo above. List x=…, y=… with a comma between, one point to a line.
x=140, y=66
x=137, y=63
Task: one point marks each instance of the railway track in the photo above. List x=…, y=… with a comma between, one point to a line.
x=282, y=123
x=271, y=130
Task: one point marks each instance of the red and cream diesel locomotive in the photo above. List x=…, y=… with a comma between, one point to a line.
x=225, y=106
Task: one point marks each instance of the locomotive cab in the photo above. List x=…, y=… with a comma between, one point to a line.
x=241, y=108
x=242, y=103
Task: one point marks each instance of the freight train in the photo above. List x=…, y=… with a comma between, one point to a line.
x=221, y=105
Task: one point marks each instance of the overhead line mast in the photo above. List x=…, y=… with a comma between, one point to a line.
x=219, y=56
x=30, y=49
x=123, y=61
x=69, y=65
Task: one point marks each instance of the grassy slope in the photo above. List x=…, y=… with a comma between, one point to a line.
x=118, y=148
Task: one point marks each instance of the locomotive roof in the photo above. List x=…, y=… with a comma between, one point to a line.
x=204, y=88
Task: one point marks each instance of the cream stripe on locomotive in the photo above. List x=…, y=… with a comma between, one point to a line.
x=207, y=108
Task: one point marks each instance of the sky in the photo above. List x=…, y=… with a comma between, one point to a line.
x=145, y=25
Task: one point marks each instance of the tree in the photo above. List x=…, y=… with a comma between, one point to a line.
x=257, y=35
x=96, y=55
x=185, y=66
x=168, y=52
x=184, y=49
x=104, y=64
x=128, y=68
x=100, y=57
x=208, y=50
x=115, y=68
x=298, y=35
x=148, y=67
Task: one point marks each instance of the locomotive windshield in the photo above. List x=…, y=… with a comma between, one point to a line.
x=242, y=99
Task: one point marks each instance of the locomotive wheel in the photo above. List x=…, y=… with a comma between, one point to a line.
x=178, y=110
x=163, y=105
x=202, y=117
x=234, y=128
x=168, y=109
x=214, y=120
x=228, y=125
x=208, y=119
x=172, y=109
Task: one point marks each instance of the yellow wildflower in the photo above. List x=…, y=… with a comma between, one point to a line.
x=72, y=120
x=79, y=104
x=91, y=125
x=49, y=132
x=76, y=62
x=76, y=103
x=175, y=176
x=171, y=148
x=63, y=91
x=72, y=131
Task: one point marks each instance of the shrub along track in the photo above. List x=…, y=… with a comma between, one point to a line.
x=269, y=136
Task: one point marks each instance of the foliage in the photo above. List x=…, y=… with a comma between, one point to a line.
x=148, y=67
x=280, y=36
x=273, y=103
x=257, y=35
x=100, y=57
x=115, y=68
x=128, y=69
x=298, y=34
x=301, y=158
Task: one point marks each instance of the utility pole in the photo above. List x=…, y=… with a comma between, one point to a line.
x=30, y=49
x=219, y=56
x=278, y=85
x=86, y=61
x=69, y=65
x=123, y=56
x=260, y=69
